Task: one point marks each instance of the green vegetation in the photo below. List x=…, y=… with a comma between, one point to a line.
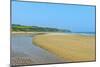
x=17, y=28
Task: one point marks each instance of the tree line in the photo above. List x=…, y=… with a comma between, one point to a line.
x=17, y=27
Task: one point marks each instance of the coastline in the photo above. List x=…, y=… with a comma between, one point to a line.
x=53, y=33
x=72, y=48
x=38, y=33
x=26, y=32
x=25, y=52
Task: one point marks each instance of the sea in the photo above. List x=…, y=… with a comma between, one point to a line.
x=82, y=33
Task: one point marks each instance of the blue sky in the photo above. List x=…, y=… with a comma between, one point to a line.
x=73, y=17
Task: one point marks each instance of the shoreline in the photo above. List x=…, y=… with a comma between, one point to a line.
x=35, y=32
x=68, y=47
x=25, y=52
x=55, y=33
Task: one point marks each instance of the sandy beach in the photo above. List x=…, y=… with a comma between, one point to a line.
x=71, y=48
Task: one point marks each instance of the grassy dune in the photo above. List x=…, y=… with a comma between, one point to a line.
x=71, y=48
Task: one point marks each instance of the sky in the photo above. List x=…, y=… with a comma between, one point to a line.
x=76, y=18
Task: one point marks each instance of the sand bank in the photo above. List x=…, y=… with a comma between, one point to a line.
x=71, y=48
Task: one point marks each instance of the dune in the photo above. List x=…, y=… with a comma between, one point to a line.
x=71, y=48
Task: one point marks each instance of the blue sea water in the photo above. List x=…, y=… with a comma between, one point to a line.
x=88, y=33
x=83, y=33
